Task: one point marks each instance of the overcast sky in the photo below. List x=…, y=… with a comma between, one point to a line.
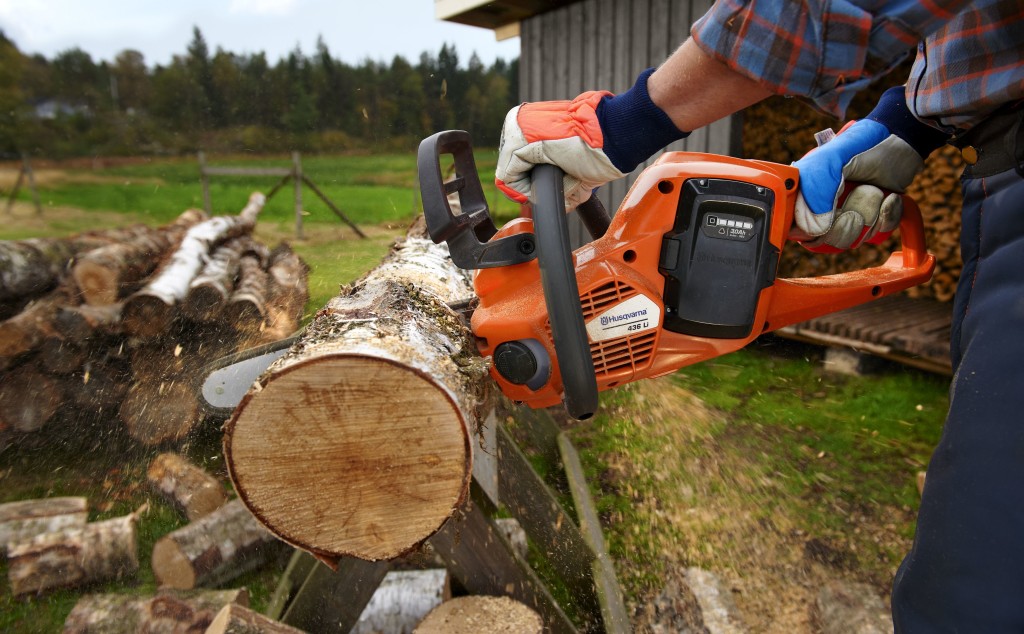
x=354, y=30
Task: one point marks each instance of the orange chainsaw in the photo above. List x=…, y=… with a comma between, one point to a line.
x=686, y=271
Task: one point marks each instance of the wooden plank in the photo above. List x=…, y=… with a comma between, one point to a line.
x=659, y=45
x=295, y=573
x=640, y=34
x=609, y=595
x=482, y=560
x=575, y=62
x=560, y=64
x=247, y=171
x=540, y=514
x=331, y=600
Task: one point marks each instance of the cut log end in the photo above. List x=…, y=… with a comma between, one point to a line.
x=99, y=284
x=175, y=568
x=154, y=413
x=471, y=614
x=146, y=316
x=388, y=482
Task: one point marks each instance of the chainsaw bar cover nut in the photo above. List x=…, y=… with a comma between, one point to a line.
x=523, y=362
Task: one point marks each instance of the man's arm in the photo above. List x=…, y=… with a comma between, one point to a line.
x=694, y=89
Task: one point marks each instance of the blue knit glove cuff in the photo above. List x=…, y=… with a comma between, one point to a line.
x=893, y=113
x=634, y=128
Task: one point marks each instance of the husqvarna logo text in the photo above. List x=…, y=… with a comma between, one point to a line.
x=614, y=319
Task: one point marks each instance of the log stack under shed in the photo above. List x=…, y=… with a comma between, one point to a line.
x=782, y=130
x=116, y=325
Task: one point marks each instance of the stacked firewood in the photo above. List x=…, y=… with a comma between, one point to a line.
x=782, y=130
x=119, y=324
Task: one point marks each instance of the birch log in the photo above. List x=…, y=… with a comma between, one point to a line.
x=73, y=557
x=24, y=520
x=358, y=441
x=148, y=312
x=109, y=272
x=287, y=293
x=169, y=611
x=210, y=290
x=215, y=549
x=193, y=491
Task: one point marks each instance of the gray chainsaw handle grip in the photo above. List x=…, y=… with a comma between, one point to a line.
x=561, y=292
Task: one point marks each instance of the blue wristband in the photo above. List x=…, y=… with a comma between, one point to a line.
x=893, y=113
x=634, y=127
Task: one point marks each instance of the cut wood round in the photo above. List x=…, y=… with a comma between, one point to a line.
x=193, y=491
x=28, y=398
x=24, y=520
x=474, y=614
x=169, y=611
x=155, y=412
x=79, y=323
x=236, y=619
x=215, y=549
x=34, y=323
x=73, y=557
x=358, y=441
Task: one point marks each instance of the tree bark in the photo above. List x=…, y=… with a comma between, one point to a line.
x=148, y=312
x=209, y=292
x=247, y=307
x=31, y=326
x=236, y=619
x=191, y=490
x=169, y=611
x=73, y=557
x=358, y=441
x=24, y=520
x=213, y=550
x=80, y=323
x=28, y=399
x=114, y=270
x=404, y=599
x=287, y=293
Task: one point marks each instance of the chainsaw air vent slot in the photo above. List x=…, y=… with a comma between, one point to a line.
x=626, y=354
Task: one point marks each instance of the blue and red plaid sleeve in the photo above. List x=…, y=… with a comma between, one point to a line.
x=824, y=50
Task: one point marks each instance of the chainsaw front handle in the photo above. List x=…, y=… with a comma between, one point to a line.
x=561, y=292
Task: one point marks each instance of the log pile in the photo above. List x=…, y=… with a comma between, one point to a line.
x=782, y=130
x=117, y=324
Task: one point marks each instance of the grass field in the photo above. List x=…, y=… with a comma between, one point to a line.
x=758, y=465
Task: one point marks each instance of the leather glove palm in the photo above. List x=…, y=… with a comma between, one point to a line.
x=851, y=186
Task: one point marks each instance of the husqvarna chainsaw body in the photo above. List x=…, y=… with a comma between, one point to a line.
x=686, y=271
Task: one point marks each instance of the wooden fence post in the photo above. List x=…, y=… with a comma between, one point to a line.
x=204, y=177
x=297, y=176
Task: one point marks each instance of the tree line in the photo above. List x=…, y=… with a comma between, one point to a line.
x=72, y=105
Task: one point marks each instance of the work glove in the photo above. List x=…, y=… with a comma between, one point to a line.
x=851, y=185
x=595, y=138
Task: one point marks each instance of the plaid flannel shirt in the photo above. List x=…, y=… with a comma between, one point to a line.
x=970, y=55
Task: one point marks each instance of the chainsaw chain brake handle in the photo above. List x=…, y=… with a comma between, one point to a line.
x=561, y=292
x=469, y=232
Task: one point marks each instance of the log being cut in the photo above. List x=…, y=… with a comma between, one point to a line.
x=358, y=441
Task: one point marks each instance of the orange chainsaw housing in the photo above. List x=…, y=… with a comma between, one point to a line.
x=623, y=266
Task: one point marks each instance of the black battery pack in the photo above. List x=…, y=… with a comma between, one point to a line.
x=718, y=258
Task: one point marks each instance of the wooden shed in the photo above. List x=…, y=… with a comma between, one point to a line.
x=570, y=46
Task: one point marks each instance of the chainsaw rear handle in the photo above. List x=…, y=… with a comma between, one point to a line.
x=561, y=292
x=800, y=299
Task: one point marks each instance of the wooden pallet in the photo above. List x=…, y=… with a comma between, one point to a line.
x=914, y=332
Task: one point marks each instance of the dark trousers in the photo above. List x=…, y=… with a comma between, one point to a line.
x=965, y=572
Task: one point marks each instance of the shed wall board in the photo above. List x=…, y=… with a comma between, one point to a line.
x=604, y=45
